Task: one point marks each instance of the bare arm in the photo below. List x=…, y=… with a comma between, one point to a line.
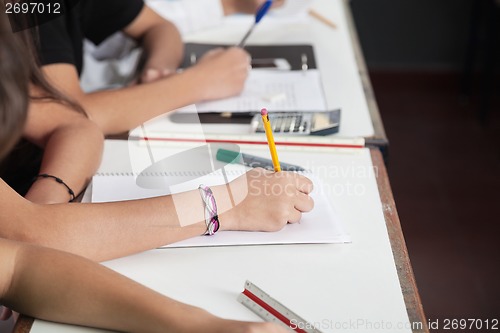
x=77, y=291
x=161, y=41
x=219, y=74
x=111, y=230
x=72, y=150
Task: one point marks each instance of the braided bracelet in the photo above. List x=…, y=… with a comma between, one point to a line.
x=60, y=181
x=211, y=217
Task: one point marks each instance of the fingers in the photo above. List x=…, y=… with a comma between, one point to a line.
x=296, y=190
x=243, y=56
x=221, y=73
x=304, y=203
x=213, y=52
x=150, y=75
x=294, y=216
x=233, y=58
x=304, y=184
x=278, y=3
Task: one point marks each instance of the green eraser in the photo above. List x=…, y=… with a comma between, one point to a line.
x=228, y=156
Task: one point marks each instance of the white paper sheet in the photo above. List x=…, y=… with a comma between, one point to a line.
x=298, y=91
x=291, y=9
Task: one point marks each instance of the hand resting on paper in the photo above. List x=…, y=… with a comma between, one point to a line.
x=266, y=201
x=220, y=73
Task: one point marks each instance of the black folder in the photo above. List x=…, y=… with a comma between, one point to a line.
x=297, y=55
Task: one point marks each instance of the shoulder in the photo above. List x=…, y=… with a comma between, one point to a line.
x=102, y=18
x=59, y=34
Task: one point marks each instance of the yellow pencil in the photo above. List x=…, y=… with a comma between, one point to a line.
x=270, y=140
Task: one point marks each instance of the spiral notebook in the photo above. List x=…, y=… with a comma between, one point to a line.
x=321, y=225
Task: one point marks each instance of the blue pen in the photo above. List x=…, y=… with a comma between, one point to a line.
x=264, y=8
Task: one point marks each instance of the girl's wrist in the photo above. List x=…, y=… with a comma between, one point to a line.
x=227, y=208
x=47, y=191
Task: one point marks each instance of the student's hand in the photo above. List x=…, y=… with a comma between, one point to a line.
x=267, y=201
x=221, y=73
x=245, y=6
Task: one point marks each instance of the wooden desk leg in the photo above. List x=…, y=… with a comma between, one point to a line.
x=405, y=272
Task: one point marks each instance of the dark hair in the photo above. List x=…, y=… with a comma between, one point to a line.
x=19, y=66
x=14, y=90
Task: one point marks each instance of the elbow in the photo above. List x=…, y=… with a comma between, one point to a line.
x=90, y=131
x=93, y=132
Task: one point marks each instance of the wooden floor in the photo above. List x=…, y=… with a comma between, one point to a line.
x=445, y=171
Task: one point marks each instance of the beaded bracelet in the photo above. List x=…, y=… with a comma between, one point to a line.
x=60, y=181
x=211, y=217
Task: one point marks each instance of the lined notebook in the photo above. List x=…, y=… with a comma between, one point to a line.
x=321, y=225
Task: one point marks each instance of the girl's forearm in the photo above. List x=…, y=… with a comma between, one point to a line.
x=117, y=111
x=112, y=230
x=65, y=288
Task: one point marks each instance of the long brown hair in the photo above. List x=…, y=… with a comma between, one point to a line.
x=19, y=67
x=14, y=91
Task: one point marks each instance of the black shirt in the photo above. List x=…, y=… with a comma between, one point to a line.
x=61, y=39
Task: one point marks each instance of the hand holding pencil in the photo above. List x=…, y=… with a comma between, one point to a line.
x=264, y=200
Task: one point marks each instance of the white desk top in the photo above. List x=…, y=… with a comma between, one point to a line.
x=341, y=287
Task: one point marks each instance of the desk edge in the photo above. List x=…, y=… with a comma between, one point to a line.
x=400, y=252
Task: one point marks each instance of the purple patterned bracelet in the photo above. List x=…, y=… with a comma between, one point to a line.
x=211, y=217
